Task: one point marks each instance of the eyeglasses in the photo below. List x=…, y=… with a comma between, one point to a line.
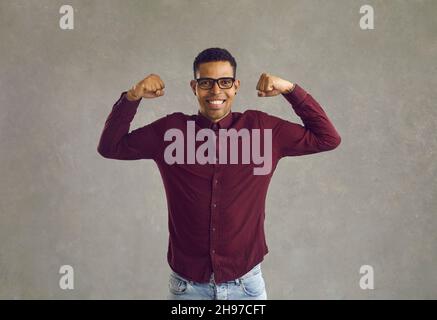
x=208, y=83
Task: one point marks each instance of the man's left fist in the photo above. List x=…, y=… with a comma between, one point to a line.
x=269, y=85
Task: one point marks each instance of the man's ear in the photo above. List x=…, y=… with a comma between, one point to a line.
x=193, y=86
x=237, y=85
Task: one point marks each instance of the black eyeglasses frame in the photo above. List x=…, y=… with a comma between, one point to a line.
x=216, y=80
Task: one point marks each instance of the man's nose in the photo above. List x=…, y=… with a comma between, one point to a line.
x=215, y=88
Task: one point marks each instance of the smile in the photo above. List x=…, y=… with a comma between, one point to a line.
x=216, y=102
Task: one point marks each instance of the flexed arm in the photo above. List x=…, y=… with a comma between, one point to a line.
x=318, y=133
x=143, y=143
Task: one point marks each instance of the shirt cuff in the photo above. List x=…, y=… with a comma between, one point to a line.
x=296, y=96
x=125, y=100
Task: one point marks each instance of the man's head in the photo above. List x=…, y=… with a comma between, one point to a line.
x=215, y=63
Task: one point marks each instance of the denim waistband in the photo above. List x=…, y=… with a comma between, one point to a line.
x=255, y=270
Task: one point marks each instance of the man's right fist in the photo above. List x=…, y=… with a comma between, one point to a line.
x=150, y=87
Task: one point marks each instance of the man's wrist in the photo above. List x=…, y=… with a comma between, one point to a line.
x=290, y=89
x=131, y=96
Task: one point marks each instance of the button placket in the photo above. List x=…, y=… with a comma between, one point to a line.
x=217, y=148
x=214, y=205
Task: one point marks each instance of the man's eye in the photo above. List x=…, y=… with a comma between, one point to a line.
x=204, y=83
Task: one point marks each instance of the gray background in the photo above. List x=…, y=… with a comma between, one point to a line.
x=370, y=201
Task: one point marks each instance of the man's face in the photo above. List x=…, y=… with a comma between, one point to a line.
x=215, y=70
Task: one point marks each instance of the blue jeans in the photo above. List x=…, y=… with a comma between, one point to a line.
x=250, y=286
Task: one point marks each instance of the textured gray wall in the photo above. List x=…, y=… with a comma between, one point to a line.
x=372, y=201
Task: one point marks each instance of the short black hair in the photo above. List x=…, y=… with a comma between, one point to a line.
x=214, y=54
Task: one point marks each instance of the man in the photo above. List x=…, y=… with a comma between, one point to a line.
x=216, y=200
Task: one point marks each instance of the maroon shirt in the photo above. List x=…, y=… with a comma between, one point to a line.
x=216, y=211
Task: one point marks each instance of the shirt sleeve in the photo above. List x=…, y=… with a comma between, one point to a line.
x=117, y=143
x=317, y=134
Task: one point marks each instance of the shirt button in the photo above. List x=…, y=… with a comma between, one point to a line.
x=213, y=229
x=213, y=251
x=216, y=181
x=214, y=205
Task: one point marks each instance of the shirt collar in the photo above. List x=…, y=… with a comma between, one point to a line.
x=204, y=122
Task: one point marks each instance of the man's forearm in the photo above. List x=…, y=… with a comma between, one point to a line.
x=117, y=125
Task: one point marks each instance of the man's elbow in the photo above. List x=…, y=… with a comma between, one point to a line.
x=103, y=152
x=332, y=143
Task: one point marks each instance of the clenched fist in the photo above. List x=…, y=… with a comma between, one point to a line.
x=150, y=87
x=270, y=85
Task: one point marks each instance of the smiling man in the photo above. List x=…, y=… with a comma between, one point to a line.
x=216, y=209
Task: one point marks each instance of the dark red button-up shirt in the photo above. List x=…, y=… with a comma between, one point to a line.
x=216, y=211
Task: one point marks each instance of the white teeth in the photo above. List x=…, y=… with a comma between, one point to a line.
x=216, y=101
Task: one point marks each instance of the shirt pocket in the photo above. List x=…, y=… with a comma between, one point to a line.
x=253, y=285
